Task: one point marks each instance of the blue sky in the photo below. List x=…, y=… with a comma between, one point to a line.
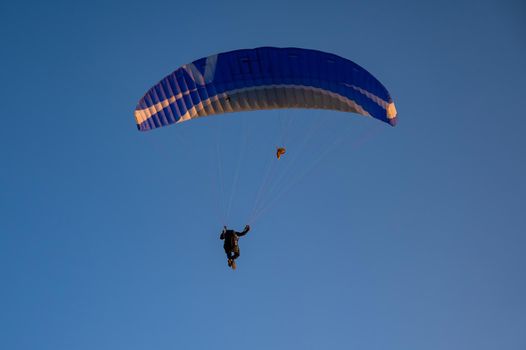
x=397, y=238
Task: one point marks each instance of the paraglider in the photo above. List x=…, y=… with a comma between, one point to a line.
x=262, y=79
x=231, y=244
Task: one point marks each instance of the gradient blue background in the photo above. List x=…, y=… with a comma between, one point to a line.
x=413, y=240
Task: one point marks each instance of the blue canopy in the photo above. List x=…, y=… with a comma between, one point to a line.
x=264, y=78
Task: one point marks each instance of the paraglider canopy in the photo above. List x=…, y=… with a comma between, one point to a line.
x=264, y=78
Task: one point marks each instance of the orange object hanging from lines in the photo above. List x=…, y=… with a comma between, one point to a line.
x=280, y=151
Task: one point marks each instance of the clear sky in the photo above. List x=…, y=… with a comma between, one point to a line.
x=393, y=238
